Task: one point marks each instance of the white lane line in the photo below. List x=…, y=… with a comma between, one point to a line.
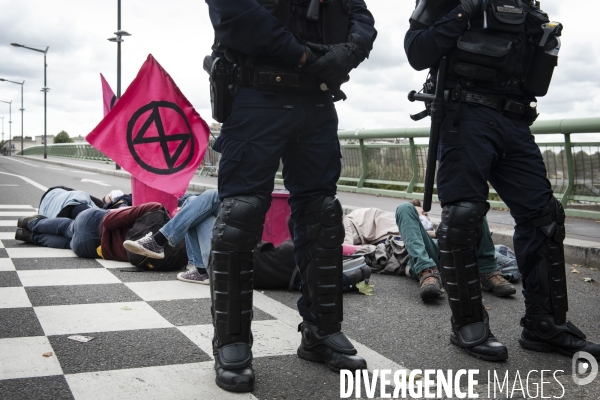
x=15, y=206
x=54, y=168
x=22, y=162
x=3, y=184
x=26, y=179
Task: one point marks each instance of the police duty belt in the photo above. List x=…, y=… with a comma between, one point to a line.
x=497, y=102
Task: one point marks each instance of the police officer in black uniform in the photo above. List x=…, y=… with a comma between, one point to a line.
x=500, y=55
x=288, y=59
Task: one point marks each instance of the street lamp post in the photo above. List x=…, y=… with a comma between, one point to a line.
x=2, y=145
x=9, y=125
x=119, y=39
x=22, y=109
x=45, y=89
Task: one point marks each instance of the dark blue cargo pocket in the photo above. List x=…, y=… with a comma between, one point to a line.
x=230, y=148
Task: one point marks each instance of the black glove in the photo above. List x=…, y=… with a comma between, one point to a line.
x=311, y=57
x=337, y=60
x=472, y=8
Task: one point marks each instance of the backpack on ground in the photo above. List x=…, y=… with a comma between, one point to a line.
x=356, y=270
x=175, y=257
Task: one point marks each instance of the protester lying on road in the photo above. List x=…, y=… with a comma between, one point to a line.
x=94, y=233
x=65, y=202
x=423, y=253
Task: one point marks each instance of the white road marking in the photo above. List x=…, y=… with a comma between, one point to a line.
x=101, y=183
x=31, y=182
x=84, y=172
x=15, y=206
x=17, y=213
x=22, y=162
x=102, y=317
x=12, y=222
x=21, y=357
x=39, y=252
x=174, y=382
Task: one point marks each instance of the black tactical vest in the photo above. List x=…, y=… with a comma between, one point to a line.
x=332, y=27
x=502, y=57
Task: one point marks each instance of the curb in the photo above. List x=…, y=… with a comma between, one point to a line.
x=581, y=252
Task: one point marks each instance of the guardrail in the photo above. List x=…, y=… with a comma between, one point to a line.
x=372, y=165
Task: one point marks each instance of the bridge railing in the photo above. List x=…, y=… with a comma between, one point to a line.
x=389, y=162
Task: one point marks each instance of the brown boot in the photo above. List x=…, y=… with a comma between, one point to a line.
x=430, y=284
x=495, y=283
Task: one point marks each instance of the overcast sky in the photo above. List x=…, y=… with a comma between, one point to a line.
x=178, y=33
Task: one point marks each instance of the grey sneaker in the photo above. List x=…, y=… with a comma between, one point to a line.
x=145, y=246
x=193, y=276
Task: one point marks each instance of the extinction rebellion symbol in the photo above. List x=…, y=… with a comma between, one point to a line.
x=160, y=138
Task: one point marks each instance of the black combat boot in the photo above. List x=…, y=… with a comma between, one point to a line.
x=459, y=233
x=542, y=333
x=335, y=350
x=231, y=292
x=23, y=235
x=233, y=366
x=478, y=340
x=545, y=324
x=322, y=270
x=237, y=230
x=23, y=222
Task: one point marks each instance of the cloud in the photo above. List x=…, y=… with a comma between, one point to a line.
x=179, y=34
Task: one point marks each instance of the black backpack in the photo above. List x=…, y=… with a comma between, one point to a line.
x=275, y=268
x=175, y=257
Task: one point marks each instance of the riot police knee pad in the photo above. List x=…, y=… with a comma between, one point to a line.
x=550, y=266
x=461, y=225
x=239, y=224
x=322, y=271
x=458, y=234
x=323, y=218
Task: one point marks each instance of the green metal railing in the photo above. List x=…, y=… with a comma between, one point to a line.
x=373, y=166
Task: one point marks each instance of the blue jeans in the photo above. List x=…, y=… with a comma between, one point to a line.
x=82, y=235
x=51, y=232
x=86, y=236
x=423, y=250
x=195, y=223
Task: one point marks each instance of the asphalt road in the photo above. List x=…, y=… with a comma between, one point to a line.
x=393, y=322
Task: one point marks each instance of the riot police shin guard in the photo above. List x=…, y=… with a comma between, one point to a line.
x=458, y=233
x=237, y=231
x=545, y=324
x=322, y=339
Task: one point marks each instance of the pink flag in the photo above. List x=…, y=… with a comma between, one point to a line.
x=154, y=132
x=108, y=96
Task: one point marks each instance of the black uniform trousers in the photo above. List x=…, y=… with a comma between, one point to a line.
x=297, y=127
x=488, y=146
